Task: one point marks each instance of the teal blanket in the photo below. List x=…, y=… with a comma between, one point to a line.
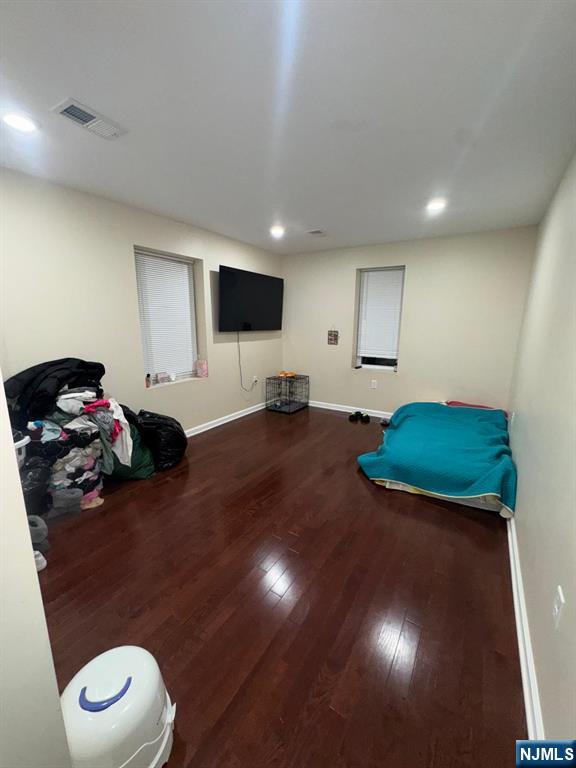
x=459, y=452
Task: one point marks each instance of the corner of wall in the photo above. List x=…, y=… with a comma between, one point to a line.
x=543, y=438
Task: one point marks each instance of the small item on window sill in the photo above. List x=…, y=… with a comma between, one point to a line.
x=202, y=369
x=333, y=336
x=148, y=381
x=164, y=378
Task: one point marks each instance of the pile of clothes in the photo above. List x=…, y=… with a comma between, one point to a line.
x=32, y=393
x=87, y=432
x=78, y=436
x=74, y=434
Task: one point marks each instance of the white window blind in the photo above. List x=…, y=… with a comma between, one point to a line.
x=379, y=312
x=167, y=318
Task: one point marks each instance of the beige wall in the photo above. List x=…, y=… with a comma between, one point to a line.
x=544, y=444
x=69, y=257
x=69, y=289
x=31, y=726
x=463, y=303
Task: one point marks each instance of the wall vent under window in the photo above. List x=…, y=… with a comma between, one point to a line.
x=88, y=118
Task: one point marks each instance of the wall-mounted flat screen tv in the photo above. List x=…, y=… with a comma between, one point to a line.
x=249, y=301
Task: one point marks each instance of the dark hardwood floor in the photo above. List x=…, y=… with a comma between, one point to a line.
x=301, y=616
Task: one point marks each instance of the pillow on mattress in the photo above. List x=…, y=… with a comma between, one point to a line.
x=460, y=404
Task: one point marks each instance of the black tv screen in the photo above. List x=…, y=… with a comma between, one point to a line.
x=249, y=301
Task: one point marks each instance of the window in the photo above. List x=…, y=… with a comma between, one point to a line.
x=379, y=309
x=167, y=318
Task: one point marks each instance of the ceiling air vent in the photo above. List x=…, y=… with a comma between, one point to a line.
x=89, y=119
x=317, y=232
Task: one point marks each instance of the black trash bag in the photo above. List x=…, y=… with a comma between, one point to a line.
x=34, y=477
x=164, y=437
x=34, y=472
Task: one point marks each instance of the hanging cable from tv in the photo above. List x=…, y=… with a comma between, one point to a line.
x=251, y=387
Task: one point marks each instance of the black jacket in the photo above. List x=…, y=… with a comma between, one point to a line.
x=32, y=393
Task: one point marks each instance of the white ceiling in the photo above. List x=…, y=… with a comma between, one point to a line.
x=344, y=116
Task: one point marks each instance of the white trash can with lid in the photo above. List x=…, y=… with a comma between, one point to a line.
x=118, y=713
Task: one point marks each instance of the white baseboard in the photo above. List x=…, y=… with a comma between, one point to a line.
x=350, y=409
x=534, y=719
x=260, y=406
x=224, y=419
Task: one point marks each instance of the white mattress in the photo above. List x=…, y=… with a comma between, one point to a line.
x=488, y=501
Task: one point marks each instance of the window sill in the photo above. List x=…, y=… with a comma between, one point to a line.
x=387, y=368
x=177, y=381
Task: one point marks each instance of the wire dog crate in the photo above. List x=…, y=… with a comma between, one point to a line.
x=287, y=394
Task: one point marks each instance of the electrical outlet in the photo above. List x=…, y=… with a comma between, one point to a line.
x=558, y=605
x=255, y=380
x=373, y=383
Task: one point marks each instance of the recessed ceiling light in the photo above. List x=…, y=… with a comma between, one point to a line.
x=19, y=122
x=436, y=206
x=277, y=231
